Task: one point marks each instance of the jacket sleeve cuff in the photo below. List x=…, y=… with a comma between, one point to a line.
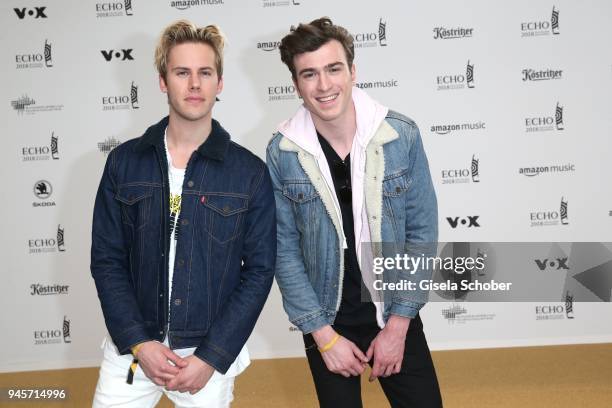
x=214, y=356
x=311, y=322
x=129, y=338
x=405, y=308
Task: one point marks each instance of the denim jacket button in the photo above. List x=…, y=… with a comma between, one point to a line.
x=181, y=262
x=185, y=222
x=177, y=302
x=190, y=183
x=161, y=295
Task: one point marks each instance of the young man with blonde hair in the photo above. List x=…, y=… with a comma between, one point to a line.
x=349, y=174
x=183, y=242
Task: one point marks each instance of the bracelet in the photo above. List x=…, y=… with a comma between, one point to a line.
x=135, y=349
x=329, y=345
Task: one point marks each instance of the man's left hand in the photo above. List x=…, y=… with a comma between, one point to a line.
x=387, y=348
x=191, y=378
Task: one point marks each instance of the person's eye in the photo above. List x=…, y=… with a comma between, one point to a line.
x=181, y=73
x=308, y=75
x=207, y=73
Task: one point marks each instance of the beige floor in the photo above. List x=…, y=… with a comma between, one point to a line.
x=555, y=377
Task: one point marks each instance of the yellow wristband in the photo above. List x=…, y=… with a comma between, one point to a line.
x=329, y=345
x=135, y=349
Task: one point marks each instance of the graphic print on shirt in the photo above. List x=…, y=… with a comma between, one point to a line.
x=175, y=210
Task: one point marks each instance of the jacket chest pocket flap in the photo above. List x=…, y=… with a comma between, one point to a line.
x=135, y=202
x=223, y=215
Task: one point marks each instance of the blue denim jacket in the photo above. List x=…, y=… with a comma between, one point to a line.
x=402, y=210
x=225, y=254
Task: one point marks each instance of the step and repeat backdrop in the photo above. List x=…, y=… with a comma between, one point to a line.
x=512, y=100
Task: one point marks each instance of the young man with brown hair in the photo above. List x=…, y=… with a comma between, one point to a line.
x=183, y=242
x=348, y=172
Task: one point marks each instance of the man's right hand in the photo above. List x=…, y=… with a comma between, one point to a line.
x=158, y=362
x=344, y=358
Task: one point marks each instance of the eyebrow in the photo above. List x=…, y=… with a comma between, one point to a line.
x=328, y=66
x=188, y=69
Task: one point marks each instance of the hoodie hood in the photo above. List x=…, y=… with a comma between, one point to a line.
x=300, y=128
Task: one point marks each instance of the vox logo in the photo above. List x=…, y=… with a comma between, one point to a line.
x=36, y=12
x=469, y=221
x=559, y=263
x=124, y=54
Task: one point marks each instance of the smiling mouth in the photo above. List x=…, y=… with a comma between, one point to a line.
x=327, y=98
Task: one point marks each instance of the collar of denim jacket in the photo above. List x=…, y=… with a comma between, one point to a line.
x=214, y=147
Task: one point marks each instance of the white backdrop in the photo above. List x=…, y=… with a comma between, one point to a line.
x=59, y=85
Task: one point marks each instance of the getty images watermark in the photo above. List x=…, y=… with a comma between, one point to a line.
x=488, y=271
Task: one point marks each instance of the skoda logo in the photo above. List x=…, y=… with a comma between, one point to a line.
x=42, y=189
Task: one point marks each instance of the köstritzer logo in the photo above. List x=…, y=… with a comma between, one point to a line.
x=46, y=290
x=532, y=75
x=36, y=12
x=443, y=33
x=122, y=55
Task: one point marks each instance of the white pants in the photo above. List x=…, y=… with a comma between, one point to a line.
x=113, y=390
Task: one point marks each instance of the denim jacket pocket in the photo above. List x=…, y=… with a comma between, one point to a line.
x=395, y=185
x=223, y=215
x=135, y=202
x=303, y=196
x=395, y=189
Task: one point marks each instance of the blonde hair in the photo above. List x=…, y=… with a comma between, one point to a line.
x=184, y=31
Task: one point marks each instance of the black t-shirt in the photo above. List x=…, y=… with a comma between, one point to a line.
x=353, y=311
